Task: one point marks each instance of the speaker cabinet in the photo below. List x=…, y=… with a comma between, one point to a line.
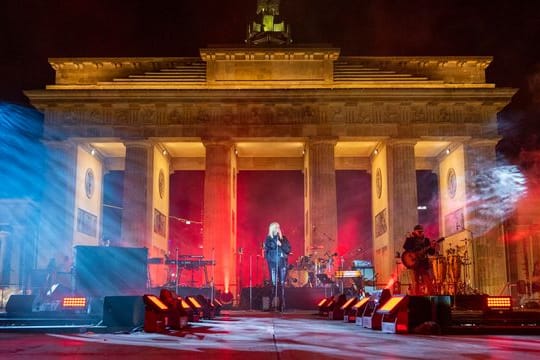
x=20, y=304
x=123, y=311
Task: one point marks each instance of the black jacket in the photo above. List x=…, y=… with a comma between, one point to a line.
x=270, y=248
x=415, y=244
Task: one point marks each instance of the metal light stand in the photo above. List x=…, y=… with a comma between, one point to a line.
x=177, y=271
x=250, y=284
x=213, y=273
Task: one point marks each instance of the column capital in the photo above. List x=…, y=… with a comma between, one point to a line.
x=60, y=144
x=481, y=142
x=137, y=143
x=217, y=141
x=316, y=140
x=398, y=142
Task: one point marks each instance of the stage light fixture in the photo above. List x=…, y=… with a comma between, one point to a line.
x=217, y=306
x=336, y=312
x=498, y=303
x=346, y=308
x=76, y=303
x=355, y=314
x=392, y=304
x=156, y=314
x=325, y=305
x=370, y=318
x=226, y=299
x=208, y=308
x=193, y=313
x=178, y=317
x=406, y=314
x=155, y=303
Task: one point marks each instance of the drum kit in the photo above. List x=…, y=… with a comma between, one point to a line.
x=451, y=272
x=305, y=272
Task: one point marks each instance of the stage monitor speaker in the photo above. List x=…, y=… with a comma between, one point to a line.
x=20, y=304
x=418, y=314
x=107, y=271
x=123, y=311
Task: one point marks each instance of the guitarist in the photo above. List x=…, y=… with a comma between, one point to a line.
x=422, y=274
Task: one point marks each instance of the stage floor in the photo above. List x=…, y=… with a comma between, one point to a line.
x=263, y=335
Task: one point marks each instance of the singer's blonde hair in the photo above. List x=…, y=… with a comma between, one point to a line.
x=272, y=227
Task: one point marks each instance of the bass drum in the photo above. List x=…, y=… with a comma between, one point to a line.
x=298, y=278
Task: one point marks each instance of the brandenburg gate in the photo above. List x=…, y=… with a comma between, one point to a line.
x=269, y=106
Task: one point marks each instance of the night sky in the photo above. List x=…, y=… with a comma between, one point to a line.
x=32, y=31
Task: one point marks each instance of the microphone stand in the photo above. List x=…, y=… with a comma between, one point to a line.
x=276, y=276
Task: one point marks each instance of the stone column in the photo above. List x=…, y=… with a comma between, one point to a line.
x=485, y=200
x=402, y=192
x=218, y=240
x=58, y=203
x=137, y=198
x=322, y=212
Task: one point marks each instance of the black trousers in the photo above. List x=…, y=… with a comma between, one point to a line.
x=280, y=266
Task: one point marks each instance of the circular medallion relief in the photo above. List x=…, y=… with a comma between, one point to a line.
x=89, y=183
x=452, y=182
x=161, y=183
x=378, y=183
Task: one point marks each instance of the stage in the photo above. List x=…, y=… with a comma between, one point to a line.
x=268, y=335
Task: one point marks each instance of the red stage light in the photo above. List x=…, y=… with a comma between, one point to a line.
x=226, y=298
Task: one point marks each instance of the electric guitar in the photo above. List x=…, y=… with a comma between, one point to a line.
x=411, y=258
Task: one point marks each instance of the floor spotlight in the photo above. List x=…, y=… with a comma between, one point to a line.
x=178, y=317
x=217, y=307
x=356, y=311
x=155, y=315
x=325, y=305
x=196, y=307
x=371, y=319
x=337, y=312
x=208, y=307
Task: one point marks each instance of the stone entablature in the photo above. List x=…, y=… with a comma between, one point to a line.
x=450, y=69
x=267, y=68
x=90, y=71
x=296, y=112
x=285, y=65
